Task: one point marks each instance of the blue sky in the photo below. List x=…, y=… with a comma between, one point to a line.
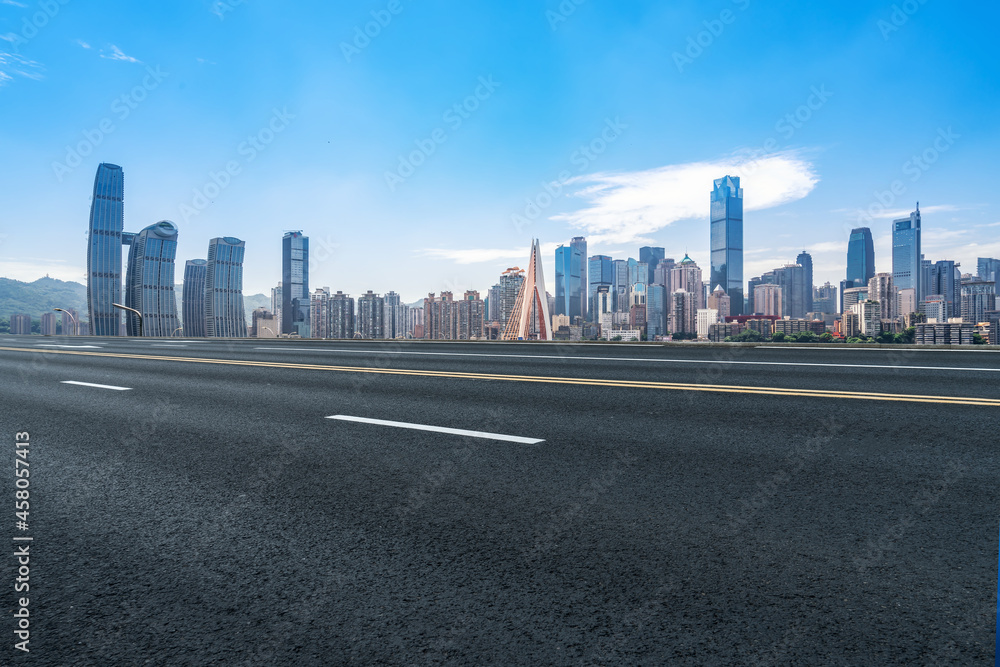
x=624, y=111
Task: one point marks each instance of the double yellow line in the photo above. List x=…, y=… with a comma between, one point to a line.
x=627, y=384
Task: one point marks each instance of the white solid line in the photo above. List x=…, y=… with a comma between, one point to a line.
x=439, y=429
x=657, y=361
x=95, y=347
x=99, y=386
x=168, y=345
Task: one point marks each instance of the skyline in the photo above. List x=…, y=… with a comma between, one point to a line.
x=638, y=150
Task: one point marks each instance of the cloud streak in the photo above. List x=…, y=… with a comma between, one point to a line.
x=117, y=54
x=625, y=207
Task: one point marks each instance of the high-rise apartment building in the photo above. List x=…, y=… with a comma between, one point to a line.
x=881, y=288
x=319, y=313
x=193, y=298
x=685, y=312
x=224, y=314
x=978, y=299
x=20, y=324
x=656, y=311
x=104, y=251
x=393, y=316
x=721, y=302
x=727, y=239
x=510, y=286
x=471, y=316
x=70, y=322
x=768, y=300
x=48, y=324
x=906, y=253
x=946, y=280
x=370, y=312
x=341, y=315
x=295, y=284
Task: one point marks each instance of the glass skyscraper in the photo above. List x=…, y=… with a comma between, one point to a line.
x=652, y=257
x=860, y=256
x=571, y=274
x=600, y=271
x=906, y=264
x=193, y=298
x=578, y=290
x=727, y=239
x=805, y=260
x=104, y=251
x=295, y=284
x=224, y=315
x=149, y=281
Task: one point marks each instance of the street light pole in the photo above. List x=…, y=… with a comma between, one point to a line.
x=175, y=331
x=269, y=329
x=131, y=310
x=76, y=326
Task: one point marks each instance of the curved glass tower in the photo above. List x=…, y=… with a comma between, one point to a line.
x=104, y=251
x=193, y=298
x=224, y=316
x=149, y=281
x=727, y=239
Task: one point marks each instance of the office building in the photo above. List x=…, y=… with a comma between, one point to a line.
x=727, y=239
x=224, y=314
x=570, y=287
x=806, y=262
x=988, y=269
x=579, y=289
x=651, y=257
x=945, y=279
x=295, y=284
x=860, y=257
x=264, y=324
x=704, y=318
x=656, y=311
x=193, y=298
x=600, y=273
x=825, y=299
x=906, y=257
x=104, y=251
x=149, y=282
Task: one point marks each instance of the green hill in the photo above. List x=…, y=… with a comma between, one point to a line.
x=40, y=297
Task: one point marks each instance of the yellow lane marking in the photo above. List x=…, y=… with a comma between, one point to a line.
x=629, y=384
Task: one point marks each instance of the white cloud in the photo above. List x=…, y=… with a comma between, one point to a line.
x=622, y=208
x=13, y=3
x=905, y=213
x=83, y=43
x=117, y=54
x=12, y=65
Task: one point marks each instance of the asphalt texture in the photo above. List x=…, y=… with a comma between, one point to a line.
x=213, y=515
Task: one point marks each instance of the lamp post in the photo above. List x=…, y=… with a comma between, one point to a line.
x=131, y=310
x=269, y=329
x=76, y=327
x=175, y=331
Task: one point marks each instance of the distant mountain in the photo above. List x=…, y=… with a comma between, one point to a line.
x=40, y=297
x=253, y=301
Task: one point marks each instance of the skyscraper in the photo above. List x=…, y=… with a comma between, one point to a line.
x=393, y=316
x=767, y=299
x=295, y=284
x=224, y=314
x=578, y=289
x=510, y=286
x=978, y=298
x=599, y=273
x=805, y=260
x=651, y=257
x=946, y=280
x=104, y=251
x=370, y=312
x=860, y=257
x=988, y=269
x=193, y=298
x=686, y=277
x=341, y=315
x=656, y=311
x=564, y=276
x=906, y=253
x=319, y=313
x=882, y=289
x=727, y=239
x=149, y=281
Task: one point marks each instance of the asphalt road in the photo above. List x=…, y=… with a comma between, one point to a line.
x=690, y=506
